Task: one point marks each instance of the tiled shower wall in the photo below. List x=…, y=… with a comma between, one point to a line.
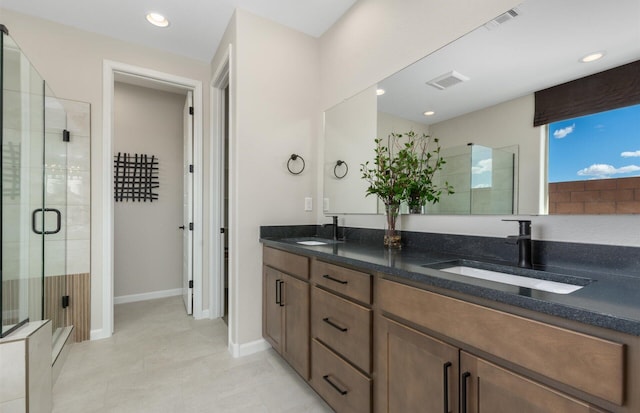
x=78, y=280
x=468, y=197
x=76, y=233
x=68, y=253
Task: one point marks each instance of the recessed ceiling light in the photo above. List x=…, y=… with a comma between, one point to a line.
x=592, y=57
x=157, y=19
x=380, y=92
x=429, y=113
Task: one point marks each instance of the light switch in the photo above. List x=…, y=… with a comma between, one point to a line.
x=325, y=204
x=308, y=204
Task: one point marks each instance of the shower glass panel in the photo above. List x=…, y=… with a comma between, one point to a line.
x=482, y=180
x=22, y=189
x=55, y=212
x=34, y=188
x=491, y=181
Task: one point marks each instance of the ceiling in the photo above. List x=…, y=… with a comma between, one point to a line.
x=196, y=25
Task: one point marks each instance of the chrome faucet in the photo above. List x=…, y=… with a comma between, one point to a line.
x=523, y=239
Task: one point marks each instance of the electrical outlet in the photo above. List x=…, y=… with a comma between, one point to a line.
x=308, y=204
x=325, y=204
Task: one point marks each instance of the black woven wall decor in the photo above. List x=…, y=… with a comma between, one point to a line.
x=135, y=177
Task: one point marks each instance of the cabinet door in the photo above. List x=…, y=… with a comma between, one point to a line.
x=295, y=349
x=416, y=373
x=272, y=307
x=487, y=388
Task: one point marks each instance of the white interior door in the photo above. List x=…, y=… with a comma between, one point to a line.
x=187, y=238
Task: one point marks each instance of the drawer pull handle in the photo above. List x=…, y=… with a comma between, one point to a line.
x=280, y=289
x=334, y=325
x=463, y=392
x=446, y=386
x=338, y=389
x=328, y=277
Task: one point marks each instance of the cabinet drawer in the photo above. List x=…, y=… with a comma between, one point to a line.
x=354, y=284
x=287, y=262
x=343, y=326
x=587, y=363
x=343, y=387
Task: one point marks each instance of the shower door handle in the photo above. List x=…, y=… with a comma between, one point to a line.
x=43, y=210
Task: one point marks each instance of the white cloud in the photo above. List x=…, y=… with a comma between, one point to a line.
x=604, y=171
x=483, y=166
x=627, y=169
x=562, y=133
x=630, y=154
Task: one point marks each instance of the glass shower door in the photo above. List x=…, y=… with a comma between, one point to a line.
x=22, y=188
x=55, y=212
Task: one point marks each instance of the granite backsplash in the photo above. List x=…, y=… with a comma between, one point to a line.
x=620, y=260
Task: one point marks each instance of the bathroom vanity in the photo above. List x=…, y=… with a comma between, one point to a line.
x=379, y=331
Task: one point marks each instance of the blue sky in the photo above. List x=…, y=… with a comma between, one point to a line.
x=599, y=146
x=482, y=166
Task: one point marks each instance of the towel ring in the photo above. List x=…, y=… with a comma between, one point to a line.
x=295, y=157
x=335, y=169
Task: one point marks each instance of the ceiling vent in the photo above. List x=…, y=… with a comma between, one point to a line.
x=502, y=19
x=447, y=80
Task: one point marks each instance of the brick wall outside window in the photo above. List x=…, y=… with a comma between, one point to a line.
x=598, y=196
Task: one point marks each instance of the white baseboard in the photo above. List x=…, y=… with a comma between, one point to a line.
x=204, y=314
x=98, y=334
x=146, y=296
x=245, y=349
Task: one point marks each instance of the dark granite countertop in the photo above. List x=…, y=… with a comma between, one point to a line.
x=607, y=300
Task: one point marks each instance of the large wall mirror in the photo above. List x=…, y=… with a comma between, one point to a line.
x=476, y=95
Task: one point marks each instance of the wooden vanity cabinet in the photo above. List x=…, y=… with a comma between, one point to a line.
x=366, y=343
x=341, y=330
x=285, y=323
x=420, y=373
x=591, y=364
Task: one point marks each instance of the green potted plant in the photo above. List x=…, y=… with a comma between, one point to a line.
x=403, y=171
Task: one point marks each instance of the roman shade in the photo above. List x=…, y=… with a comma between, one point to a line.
x=611, y=89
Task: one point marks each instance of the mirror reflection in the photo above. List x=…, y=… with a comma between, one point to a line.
x=479, y=90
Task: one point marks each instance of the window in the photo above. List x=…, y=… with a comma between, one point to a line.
x=594, y=163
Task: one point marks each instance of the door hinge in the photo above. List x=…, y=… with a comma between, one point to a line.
x=191, y=168
x=65, y=301
x=190, y=110
x=190, y=226
x=222, y=230
x=66, y=136
x=190, y=283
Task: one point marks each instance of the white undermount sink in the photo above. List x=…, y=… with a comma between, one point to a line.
x=312, y=243
x=520, y=281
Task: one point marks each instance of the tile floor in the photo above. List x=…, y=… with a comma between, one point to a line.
x=161, y=360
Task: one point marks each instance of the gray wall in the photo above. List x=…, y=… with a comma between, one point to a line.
x=148, y=243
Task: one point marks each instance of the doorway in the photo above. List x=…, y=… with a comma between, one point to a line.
x=113, y=71
x=222, y=287
x=153, y=193
x=225, y=207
